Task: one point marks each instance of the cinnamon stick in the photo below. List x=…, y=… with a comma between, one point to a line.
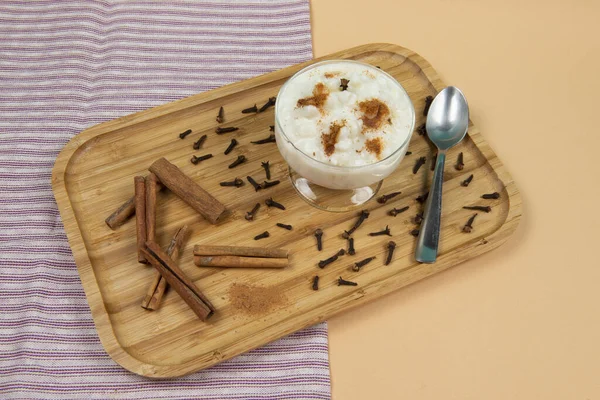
x=188, y=190
x=140, y=212
x=182, y=284
x=124, y=212
x=204, y=250
x=240, y=262
x=157, y=289
x=151, y=207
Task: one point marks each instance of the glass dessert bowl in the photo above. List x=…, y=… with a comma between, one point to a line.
x=342, y=126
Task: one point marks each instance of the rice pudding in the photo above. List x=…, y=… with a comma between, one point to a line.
x=343, y=124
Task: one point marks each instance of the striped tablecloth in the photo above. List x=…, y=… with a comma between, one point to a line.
x=65, y=66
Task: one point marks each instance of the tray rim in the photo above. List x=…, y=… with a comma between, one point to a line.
x=87, y=275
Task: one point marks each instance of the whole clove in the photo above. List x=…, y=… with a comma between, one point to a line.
x=263, y=235
x=272, y=203
x=319, y=236
x=272, y=128
x=408, y=153
x=254, y=184
x=270, y=139
x=269, y=103
x=220, y=131
x=414, y=232
x=418, y=218
x=422, y=198
x=265, y=165
x=466, y=182
x=383, y=199
x=200, y=142
x=357, y=266
x=231, y=146
x=195, y=160
x=315, y=282
x=364, y=214
x=267, y=184
x=434, y=161
x=250, y=110
x=182, y=135
x=468, y=228
x=390, y=248
x=351, y=249
x=459, y=162
x=221, y=115
x=418, y=164
x=252, y=213
x=344, y=84
x=486, y=209
x=343, y=282
x=385, y=231
x=428, y=101
x=490, y=196
x=240, y=160
x=237, y=182
x=395, y=211
x=326, y=262
x=422, y=130
x=284, y=226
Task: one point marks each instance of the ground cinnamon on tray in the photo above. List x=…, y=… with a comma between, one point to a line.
x=255, y=300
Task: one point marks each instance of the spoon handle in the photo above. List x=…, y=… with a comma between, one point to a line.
x=429, y=236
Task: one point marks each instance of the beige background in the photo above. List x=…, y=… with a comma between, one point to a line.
x=522, y=322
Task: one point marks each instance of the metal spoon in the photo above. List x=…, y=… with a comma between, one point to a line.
x=447, y=123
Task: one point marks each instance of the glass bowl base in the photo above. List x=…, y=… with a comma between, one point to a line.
x=334, y=200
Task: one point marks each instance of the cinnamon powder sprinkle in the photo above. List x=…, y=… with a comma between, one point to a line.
x=330, y=75
x=320, y=94
x=330, y=139
x=256, y=300
x=374, y=146
x=375, y=114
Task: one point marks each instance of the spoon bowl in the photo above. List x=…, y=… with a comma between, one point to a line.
x=447, y=124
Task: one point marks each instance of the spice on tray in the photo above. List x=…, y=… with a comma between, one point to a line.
x=319, y=236
x=315, y=282
x=151, y=207
x=272, y=128
x=231, y=146
x=269, y=103
x=140, y=220
x=468, y=228
x=408, y=153
x=235, y=261
x=466, y=182
x=327, y=261
x=256, y=300
x=221, y=115
x=351, y=251
x=270, y=139
x=486, y=209
x=364, y=214
x=187, y=190
x=261, y=252
x=390, y=252
x=195, y=160
x=254, y=184
x=343, y=282
x=418, y=164
x=250, y=110
x=385, y=231
x=414, y=232
x=383, y=199
x=418, y=218
x=490, y=196
x=265, y=165
x=182, y=135
x=422, y=198
x=284, y=226
x=199, y=142
x=124, y=212
x=266, y=184
x=239, y=160
x=252, y=213
x=422, y=130
x=263, y=235
x=272, y=203
x=434, y=161
x=460, y=162
x=344, y=84
x=357, y=266
x=428, y=101
x=237, y=182
x=157, y=288
x=220, y=131
x=395, y=211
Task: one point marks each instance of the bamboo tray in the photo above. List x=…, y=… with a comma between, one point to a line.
x=94, y=174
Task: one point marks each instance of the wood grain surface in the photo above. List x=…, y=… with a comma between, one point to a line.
x=93, y=175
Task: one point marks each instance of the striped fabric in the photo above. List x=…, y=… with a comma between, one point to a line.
x=65, y=66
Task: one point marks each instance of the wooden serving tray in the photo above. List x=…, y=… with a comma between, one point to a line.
x=94, y=173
